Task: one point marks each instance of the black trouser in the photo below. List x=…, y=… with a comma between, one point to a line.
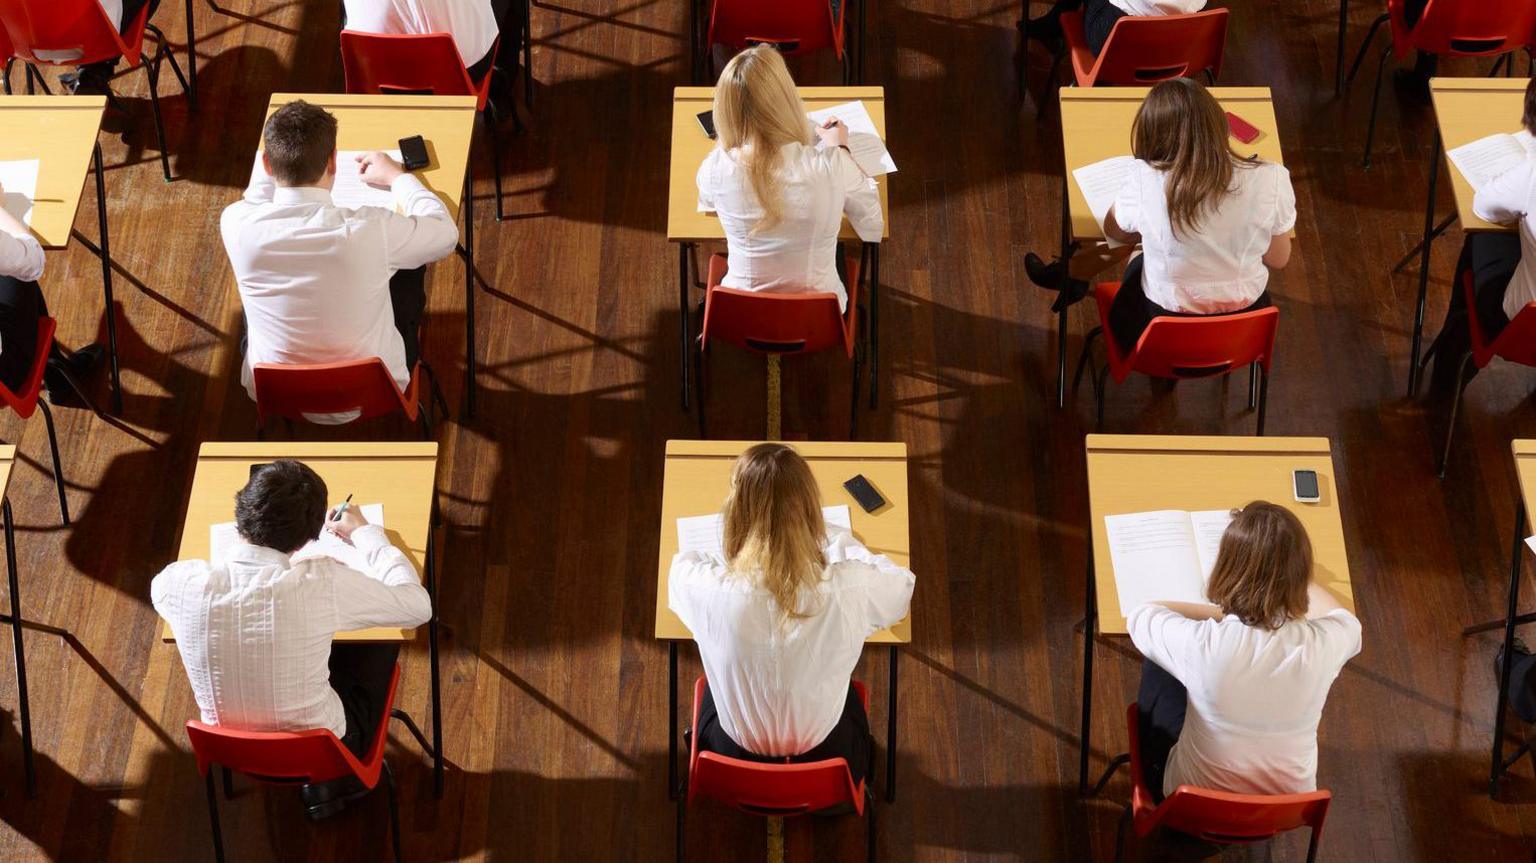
x=1132, y=312
x=849, y=740
x=1099, y=17
x=130, y=14
x=21, y=305
x=408, y=296
x=1492, y=259
x=360, y=674
x=1160, y=704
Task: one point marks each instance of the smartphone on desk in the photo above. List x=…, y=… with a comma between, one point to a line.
x=707, y=123
x=413, y=153
x=868, y=499
x=1305, y=486
x=1241, y=129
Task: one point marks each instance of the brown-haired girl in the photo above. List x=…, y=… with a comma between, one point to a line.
x=1232, y=693
x=781, y=618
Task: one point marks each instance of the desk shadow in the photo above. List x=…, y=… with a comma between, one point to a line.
x=69, y=820
x=1444, y=805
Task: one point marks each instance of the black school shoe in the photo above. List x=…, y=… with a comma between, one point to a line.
x=325, y=799
x=81, y=363
x=1051, y=277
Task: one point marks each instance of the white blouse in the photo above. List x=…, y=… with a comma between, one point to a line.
x=780, y=688
x=1219, y=265
x=820, y=186
x=1159, y=7
x=1511, y=197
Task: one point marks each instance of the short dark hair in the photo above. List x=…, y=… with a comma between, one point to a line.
x=300, y=139
x=282, y=506
x=1529, y=118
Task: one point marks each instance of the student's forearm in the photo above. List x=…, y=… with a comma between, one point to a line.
x=1193, y=610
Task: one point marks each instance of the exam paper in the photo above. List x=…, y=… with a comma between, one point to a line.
x=863, y=139
x=349, y=190
x=1164, y=555
x=1486, y=158
x=223, y=537
x=1101, y=183
x=703, y=532
x=19, y=177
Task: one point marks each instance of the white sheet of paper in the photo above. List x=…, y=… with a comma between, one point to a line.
x=1101, y=183
x=1208, y=527
x=1486, y=158
x=704, y=532
x=19, y=178
x=350, y=191
x=222, y=537
x=1155, y=558
x=863, y=139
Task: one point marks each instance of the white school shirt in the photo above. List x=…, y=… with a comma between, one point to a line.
x=471, y=23
x=1511, y=197
x=798, y=254
x=314, y=277
x=1218, y=266
x=254, y=630
x=1255, y=695
x=114, y=10
x=1159, y=7
x=780, y=690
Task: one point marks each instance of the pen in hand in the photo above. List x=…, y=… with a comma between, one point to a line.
x=336, y=516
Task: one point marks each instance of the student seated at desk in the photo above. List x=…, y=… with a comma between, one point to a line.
x=781, y=619
x=780, y=198
x=255, y=629
x=1099, y=17
x=1232, y=693
x=322, y=283
x=471, y=23
x=1211, y=223
x=95, y=79
x=1503, y=265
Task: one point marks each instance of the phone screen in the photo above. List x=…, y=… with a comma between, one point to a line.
x=1306, y=484
x=413, y=152
x=707, y=121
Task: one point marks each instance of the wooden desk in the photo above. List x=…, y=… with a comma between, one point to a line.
x=1139, y=473
x=697, y=479
x=371, y=122
x=1096, y=125
x=401, y=476
x=1525, y=504
x=7, y=460
x=686, y=226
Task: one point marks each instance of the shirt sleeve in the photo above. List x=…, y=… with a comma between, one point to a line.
x=1127, y=206
x=425, y=233
x=1285, y=202
x=1341, y=632
x=692, y=572
x=861, y=197
x=705, y=180
x=1163, y=636
x=1507, y=197
x=21, y=256
x=885, y=587
x=260, y=189
x=389, y=594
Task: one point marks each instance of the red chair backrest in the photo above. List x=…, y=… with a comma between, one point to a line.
x=1143, y=50
x=1476, y=28
x=770, y=323
x=1193, y=347
x=390, y=63
x=796, y=26
x=24, y=403
x=290, y=757
x=292, y=390
x=1219, y=816
x=80, y=27
x=1515, y=343
x=771, y=789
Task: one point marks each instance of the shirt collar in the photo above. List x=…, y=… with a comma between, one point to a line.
x=260, y=555
x=301, y=195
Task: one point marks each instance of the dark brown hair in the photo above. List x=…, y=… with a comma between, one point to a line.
x=282, y=506
x=1181, y=129
x=1528, y=119
x=300, y=139
x=1264, y=566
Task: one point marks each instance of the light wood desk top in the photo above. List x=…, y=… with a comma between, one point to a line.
x=1525, y=471
x=379, y=122
x=690, y=145
x=1096, y=125
x=7, y=459
x=698, y=477
x=1467, y=109
x=402, y=476
x=1140, y=473
x=60, y=132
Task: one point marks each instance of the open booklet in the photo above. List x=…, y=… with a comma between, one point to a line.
x=223, y=537
x=1165, y=555
x=1486, y=158
x=704, y=532
x=349, y=190
x=863, y=139
x=1101, y=183
x=19, y=177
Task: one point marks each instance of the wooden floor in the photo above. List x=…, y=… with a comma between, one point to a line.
x=555, y=691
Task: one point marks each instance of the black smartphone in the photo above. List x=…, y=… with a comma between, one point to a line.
x=258, y=466
x=413, y=153
x=869, y=499
x=707, y=120
x=1306, y=487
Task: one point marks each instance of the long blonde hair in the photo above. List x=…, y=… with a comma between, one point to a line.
x=1182, y=129
x=773, y=527
x=758, y=111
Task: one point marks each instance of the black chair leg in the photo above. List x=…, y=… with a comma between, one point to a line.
x=528, y=53
x=698, y=385
x=19, y=647
x=490, y=122
x=53, y=446
x=9, y=64
x=229, y=782
x=853, y=407
x=1253, y=384
x=1450, y=428
x=213, y=818
x=410, y=724
x=394, y=810
x=1082, y=358
x=1370, y=36
x=1120, y=835
x=871, y=839
x=1370, y=129
x=152, y=69
x=1312, y=844
x=682, y=811
x=1101, y=383
x=1263, y=396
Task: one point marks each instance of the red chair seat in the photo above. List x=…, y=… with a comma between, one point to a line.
x=1142, y=50
x=797, y=26
x=1186, y=347
x=291, y=391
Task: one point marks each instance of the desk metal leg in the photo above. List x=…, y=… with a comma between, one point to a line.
x=1090, y=622
x=1338, y=57
x=874, y=321
x=683, y=251
x=1066, y=279
x=20, y=649
x=105, y=253
x=1429, y=227
x=1499, y=765
x=437, y=678
x=890, y=730
x=672, y=732
x=191, y=57
x=469, y=289
x=863, y=41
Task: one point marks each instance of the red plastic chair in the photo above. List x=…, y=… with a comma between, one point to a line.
x=779, y=324
x=1515, y=343
x=422, y=64
x=1142, y=50
x=1453, y=28
x=292, y=390
x=1178, y=348
x=297, y=758
x=793, y=26
x=30, y=399
x=83, y=29
x=773, y=790
x=1218, y=817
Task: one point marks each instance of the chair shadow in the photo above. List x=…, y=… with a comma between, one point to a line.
x=93, y=811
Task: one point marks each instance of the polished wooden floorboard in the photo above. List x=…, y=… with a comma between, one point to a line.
x=554, y=690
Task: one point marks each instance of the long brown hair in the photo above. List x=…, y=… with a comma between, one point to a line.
x=1264, y=566
x=758, y=111
x=773, y=527
x=1182, y=130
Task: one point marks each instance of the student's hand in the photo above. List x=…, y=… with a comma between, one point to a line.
x=378, y=169
x=833, y=133
x=350, y=520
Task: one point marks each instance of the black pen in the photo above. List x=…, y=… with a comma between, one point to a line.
x=341, y=509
